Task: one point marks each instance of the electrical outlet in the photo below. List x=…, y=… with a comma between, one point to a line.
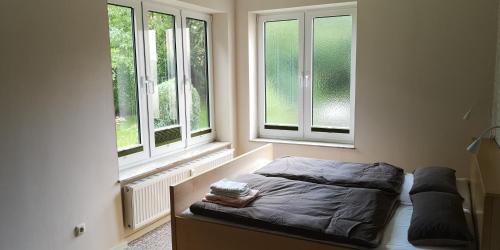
x=80, y=229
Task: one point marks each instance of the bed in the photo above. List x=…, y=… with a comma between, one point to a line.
x=196, y=231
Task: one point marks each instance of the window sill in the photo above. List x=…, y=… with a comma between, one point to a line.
x=305, y=143
x=136, y=172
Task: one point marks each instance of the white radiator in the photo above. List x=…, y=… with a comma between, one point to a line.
x=148, y=199
x=210, y=161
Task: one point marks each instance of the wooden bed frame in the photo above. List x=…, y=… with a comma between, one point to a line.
x=190, y=233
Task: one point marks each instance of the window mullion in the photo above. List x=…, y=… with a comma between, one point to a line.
x=148, y=80
x=186, y=76
x=145, y=88
x=307, y=72
x=183, y=78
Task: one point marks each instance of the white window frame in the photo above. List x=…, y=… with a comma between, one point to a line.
x=208, y=137
x=275, y=133
x=144, y=80
x=176, y=13
x=305, y=132
x=141, y=87
x=324, y=136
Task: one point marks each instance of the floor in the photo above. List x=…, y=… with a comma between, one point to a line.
x=158, y=239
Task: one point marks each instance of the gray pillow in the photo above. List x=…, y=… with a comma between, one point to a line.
x=440, y=179
x=438, y=220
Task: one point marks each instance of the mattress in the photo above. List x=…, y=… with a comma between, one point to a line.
x=346, y=215
x=394, y=236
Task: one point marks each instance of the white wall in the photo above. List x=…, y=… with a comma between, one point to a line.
x=58, y=161
x=224, y=76
x=58, y=164
x=420, y=65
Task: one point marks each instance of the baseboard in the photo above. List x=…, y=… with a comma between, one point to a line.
x=122, y=246
x=142, y=231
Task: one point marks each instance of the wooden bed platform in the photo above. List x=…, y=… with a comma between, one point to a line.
x=190, y=233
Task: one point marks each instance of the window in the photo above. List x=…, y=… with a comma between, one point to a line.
x=160, y=62
x=306, y=75
x=197, y=71
x=125, y=85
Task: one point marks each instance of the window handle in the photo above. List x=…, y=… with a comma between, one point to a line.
x=306, y=80
x=149, y=85
x=143, y=82
x=187, y=79
x=152, y=87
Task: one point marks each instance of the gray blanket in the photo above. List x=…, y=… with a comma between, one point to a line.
x=381, y=176
x=354, y=216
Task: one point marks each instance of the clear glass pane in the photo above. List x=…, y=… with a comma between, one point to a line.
x=198, y=73
x=121, y=33
x=281, y=79
x=162, y=64
x=332, y=71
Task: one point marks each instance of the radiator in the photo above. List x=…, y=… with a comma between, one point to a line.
x=148, y=199
x=210, y=161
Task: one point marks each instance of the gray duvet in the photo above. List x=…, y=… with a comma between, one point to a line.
x=348, y=215
x=381, y=176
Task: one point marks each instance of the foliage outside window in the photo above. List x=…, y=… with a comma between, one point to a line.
x=152, y=98
x=200, y=115
x=124, y=75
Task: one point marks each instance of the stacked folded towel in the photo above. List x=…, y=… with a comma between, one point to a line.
x=231, y=193
x=229, y=188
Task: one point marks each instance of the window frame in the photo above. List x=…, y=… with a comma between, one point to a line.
x=308, y=96
x=176, y=13
x=150, y=152
x=305, y=132
x=210, y=136
x=137, y=28
x=264, y=131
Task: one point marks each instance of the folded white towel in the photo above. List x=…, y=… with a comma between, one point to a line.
x=230, y=188
x=232, y=202
x=230, y=194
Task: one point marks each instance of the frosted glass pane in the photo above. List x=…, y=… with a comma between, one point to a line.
x=281, y=79
x=332, y=39
x=162, y=64
x=198, y=71
x=121, y=36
